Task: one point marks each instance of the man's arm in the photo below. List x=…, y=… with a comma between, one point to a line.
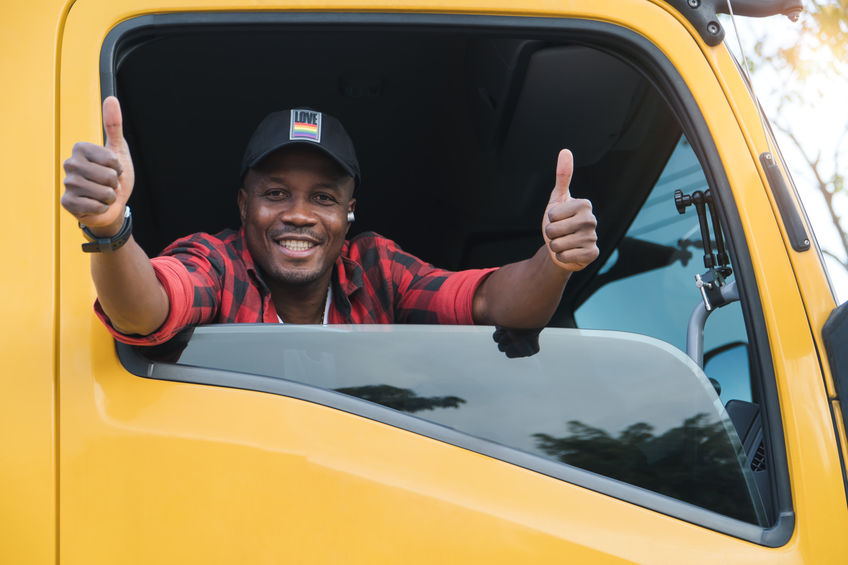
x=526, y=294
x=98, y=183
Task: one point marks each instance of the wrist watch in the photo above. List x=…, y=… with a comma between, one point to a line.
x=108, y=244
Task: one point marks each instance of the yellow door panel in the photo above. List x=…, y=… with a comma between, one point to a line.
x=167, y=472
x=28, y=463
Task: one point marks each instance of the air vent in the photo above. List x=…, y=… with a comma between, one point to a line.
x=758, y=461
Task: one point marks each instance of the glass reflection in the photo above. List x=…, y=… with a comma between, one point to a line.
x=402, y=399
x=625, y=406
x=693, y=462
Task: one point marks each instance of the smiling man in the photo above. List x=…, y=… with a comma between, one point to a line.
x=291, y=262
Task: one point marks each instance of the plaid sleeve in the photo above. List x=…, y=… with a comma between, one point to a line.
x=189, y=270
x=428, y=295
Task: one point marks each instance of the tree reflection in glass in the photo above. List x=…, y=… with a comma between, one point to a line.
x=403, y=399
x=693, y=462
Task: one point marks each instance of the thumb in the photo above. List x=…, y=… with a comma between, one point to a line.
x=564, y=170
x=113, y=124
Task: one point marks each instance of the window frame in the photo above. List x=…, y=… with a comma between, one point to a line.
x=647, y=59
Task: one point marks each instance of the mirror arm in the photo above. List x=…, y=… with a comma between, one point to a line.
x=728, y=294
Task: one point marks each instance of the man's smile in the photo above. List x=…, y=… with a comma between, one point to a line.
x=296, y=245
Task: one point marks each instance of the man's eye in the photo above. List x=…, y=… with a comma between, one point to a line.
x=325, y=198
x=275, y=194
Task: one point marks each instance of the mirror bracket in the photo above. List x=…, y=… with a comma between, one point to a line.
x=835, y=338
x=702, y=14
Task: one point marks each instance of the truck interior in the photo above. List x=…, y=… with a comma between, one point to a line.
x=457, y=134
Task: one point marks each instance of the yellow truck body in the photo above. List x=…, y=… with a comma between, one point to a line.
x=101, y=465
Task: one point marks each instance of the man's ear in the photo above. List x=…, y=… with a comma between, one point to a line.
x=242, y=203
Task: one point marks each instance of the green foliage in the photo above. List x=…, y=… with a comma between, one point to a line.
x=831, y=30
x=821, y=45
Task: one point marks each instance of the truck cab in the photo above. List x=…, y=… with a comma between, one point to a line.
x=685, y=403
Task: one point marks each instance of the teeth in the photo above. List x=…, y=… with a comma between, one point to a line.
x=297, y=245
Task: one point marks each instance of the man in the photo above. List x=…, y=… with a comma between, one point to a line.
x=290, y=262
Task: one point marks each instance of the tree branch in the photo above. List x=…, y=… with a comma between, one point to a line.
x=822, y=186
x=835, y=258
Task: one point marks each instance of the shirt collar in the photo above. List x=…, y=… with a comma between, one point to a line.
x=347, y=279
x=240, y=245
x=348, y=272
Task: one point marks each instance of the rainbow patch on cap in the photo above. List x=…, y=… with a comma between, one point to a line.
x=305, y=124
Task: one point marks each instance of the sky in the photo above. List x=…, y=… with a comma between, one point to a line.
x=819, y=121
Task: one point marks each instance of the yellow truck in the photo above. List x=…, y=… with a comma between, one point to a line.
x=685, y=404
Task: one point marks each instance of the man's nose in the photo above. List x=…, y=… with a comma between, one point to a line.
x=299, y=212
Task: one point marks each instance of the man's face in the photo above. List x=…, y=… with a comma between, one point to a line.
x=294, y=207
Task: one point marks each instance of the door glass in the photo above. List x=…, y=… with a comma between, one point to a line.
x=658, y=302
x=621, y=405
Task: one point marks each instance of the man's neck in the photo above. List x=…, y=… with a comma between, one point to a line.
x=301, y=304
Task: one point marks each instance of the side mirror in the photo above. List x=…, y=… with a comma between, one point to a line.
x=835, y=336
x=729, y=369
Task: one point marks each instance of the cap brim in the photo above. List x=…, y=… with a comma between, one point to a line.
x=347, y=168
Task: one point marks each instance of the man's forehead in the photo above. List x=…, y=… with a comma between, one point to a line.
x=278, y=164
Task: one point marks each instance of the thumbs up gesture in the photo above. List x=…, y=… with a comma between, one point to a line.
x=99, y=179
x=569, y=224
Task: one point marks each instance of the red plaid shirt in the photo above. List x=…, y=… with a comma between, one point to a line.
x=212, y=279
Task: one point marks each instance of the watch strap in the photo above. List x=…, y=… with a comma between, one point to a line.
x=108, y=244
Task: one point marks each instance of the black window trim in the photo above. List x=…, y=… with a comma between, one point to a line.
x=653, y=64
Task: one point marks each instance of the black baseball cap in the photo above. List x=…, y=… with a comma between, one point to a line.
x=301, y=126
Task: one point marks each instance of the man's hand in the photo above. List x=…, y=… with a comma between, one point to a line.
x=99, y=179
x=569, y=225
x=98, y=183
x=526, y=294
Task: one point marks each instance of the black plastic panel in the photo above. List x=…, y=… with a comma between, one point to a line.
x=788, y=211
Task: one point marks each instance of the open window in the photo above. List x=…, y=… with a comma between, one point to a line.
x=457, y=124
